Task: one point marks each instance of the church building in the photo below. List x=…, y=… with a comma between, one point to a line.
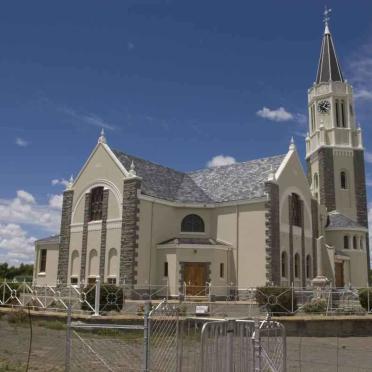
x=264, y=221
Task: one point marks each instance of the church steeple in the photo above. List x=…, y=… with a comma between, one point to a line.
x=328, y=68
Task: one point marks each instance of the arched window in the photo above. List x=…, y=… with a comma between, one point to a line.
x=343, y=180
x=297, y=265
x=96, y=199
x=355, y=243
x=284, y=264
x=346, y=242
x=74, y=270
x=296, y=210
x=192, y=223
x=308, y=267
x=93, y=263
x=316, y=181
x=112, y=263
x=361, y=243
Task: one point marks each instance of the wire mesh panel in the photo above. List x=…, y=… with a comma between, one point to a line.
x=165, y=340
x=106, y=349
x=272, y=343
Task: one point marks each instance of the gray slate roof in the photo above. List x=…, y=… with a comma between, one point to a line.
x=219, y=184
x=49, y=239
x=336, y=220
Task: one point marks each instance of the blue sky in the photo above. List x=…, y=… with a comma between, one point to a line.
x=175, y=82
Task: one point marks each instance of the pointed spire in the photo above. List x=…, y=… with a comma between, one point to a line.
x=292, y=145
x=328, y=68
x=132, y=171
x=102, y=138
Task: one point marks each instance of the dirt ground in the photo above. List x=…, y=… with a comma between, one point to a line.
x=48, y=348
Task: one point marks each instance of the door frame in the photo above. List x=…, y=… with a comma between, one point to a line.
x=182, y=264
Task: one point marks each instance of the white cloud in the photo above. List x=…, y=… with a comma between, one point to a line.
x=279, y=114
x=130, y=45
x=21, y=142
x=55, y=201
x=368, y=157
x=220, y=160
x=61, y=181
x=90, y=119
x=23, y=209
x=16, y=245
x=363, y=94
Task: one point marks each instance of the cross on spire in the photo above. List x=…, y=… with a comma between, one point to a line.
x=326, y=18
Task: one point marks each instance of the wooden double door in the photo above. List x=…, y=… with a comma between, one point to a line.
x=195, y=277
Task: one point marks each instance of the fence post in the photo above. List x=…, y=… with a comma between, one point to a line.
x=68, y=340
x=230, y=346
x=368, y=308
x=97, y=296
x=146, y=351
x=292, y=299
x=256, y=346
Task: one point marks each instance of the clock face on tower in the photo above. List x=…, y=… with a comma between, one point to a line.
x=324, y=106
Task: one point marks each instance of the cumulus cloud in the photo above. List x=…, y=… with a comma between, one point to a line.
x=220, y=160
x=363, y=94
x=16, y=245
x=24, y=209
x=59, y=181
x=21, y=142
x=279, y=114
x=55, y=201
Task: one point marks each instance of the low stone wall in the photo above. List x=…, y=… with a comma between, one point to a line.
x=327, y=326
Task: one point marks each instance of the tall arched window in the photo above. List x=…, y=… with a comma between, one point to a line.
x=355, y=243
x=112, y=263
x=192, y=223
x=284, y=264
x=74, y=270
x=96, y=199
x=296, y=210
x=93, y=263
x=343, y=180
x=346, y=242
x=316, y=181
x=308, y=267
x=297, y=265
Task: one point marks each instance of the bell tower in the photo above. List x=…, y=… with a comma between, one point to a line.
x=334, y=147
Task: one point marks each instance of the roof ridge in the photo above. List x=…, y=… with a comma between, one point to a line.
x=237, y=163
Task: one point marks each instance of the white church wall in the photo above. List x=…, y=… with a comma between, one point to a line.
x=251, y=248
x=49, y=277
x=93, y=244
x=113, y=240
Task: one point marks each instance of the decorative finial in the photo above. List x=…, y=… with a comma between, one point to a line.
x=326, y=19
x=70, y=183
x=271, y=176
x=102, y=138
x=132, y=171
x=292, y=145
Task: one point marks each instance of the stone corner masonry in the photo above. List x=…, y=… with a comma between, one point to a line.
x=129, y=231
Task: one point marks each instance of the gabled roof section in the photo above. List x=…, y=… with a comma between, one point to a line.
x=49, y=240
x=328, y=69
x=337, y=220
x=228, y=183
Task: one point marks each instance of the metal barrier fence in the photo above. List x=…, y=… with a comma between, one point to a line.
x=243, y=346
x=99, y=298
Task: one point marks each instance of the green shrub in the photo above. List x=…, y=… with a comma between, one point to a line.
x=276, y=300
x=111, y=297
x=363, y=298
x=316, y=305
